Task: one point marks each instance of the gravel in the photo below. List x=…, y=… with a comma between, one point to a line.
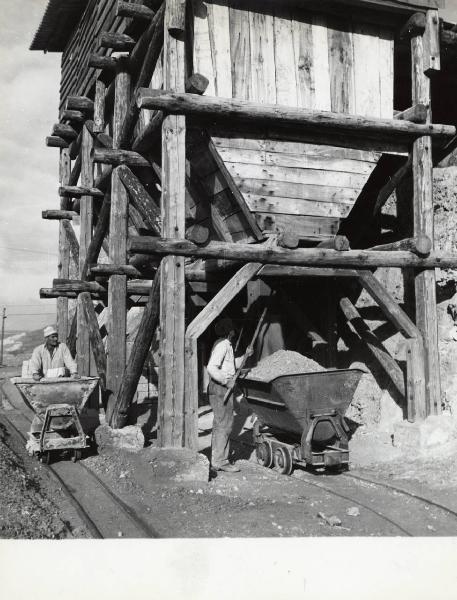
x=284, y=362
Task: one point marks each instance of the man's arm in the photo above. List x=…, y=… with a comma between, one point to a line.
x=68, y=360
x=36, y=364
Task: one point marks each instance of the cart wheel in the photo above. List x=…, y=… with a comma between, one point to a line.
x=77, y=455
x=283, y=460
x=264, y=454
x=45, y=458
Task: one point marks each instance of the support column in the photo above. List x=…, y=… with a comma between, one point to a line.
x=117, y=286
x=425, y=281
x=63, y=269
x=86, y=216
x=172, y=290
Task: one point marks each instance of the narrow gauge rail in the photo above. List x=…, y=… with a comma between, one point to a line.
x=103, y=513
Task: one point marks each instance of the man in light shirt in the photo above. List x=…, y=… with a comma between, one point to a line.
x=221, y=370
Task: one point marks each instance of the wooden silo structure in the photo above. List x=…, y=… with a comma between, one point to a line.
x=238, y=141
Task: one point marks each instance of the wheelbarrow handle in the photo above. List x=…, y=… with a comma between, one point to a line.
x=248, y=352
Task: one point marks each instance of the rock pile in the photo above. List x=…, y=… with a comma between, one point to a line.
x=284, y=362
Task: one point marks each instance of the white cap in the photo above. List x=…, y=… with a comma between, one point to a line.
x=49, y=330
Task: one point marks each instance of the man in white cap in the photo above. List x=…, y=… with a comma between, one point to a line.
x=221, y=369
x=52, y=358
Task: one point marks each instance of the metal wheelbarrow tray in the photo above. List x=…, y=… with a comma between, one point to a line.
x=58, y=403
x=301, y=417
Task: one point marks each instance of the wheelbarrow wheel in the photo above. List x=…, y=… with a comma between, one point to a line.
x=264, y=454
x=283, y=460
x=45, y=458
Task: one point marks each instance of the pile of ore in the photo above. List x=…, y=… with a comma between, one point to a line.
x=283, y=362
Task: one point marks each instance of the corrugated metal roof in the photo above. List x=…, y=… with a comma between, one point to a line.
x=58, y=22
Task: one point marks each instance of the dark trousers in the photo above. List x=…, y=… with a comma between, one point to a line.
x=222, y=424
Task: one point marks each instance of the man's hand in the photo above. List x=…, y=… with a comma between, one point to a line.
x=36, y=377
x=229, y=383
x=75, y=376
x=249, y=351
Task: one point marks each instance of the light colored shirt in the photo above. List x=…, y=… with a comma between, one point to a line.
x=52, y=366
x=222, y=364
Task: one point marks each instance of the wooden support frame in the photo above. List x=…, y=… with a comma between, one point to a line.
x=63, y=269
x=98, y=349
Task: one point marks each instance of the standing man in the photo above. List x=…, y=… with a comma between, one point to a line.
x=221, y=369
x=52, y=358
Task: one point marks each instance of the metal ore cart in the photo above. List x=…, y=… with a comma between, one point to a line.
x=301, y=417
x=60, y=405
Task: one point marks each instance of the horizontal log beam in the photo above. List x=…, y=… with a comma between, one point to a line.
x=81, y=103
x=338, y=242
x=75, y=116
x=117, y=41
x=279, y=115
x=76, y=191
x=416, y=114
x=358, y=259
x=76, y=285
x=116, y=158
x=54, y=141
x=280, y=271
x=448, y=38
x=109, y=269
x=64, y=131
x=134, y=11
x=414, y=26
x=105, y=63
x=58, y=215
x=46, y=293
x=420, y=245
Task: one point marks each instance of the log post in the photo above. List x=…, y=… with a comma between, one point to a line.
x=172, y=285
x=98, y=349
x=99, y=106
x=117, y=286
x=86, y=216
x=425, y=281
x=63, y=269
x=138, y=355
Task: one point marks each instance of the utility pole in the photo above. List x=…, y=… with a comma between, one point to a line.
x=3, y=335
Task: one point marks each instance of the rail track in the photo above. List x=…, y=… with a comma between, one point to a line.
x=103, y=513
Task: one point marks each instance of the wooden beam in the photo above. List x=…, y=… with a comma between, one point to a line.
x=337, y=242
x=198, y=234
x=64, y=131
x=54, y=141
x=364, y=259
x=389, y=187
x=72, y=242
x=134, y=11
x=75, y=171
x=415, y=26
x=81, y=103
x=279, y=115
x=119, y=42
x=420, y=245
x=177, y=21
x=86, y=215
x=173, y=421
x=284, y=272
x=63, y=269
x=117, y=157
x=105, y=63
x=425, y=281
x=110, y=269
x=432, y=55
x=98, y=349
x=142, y=201
x=77, y=286
x=99, y=106
x=75, y=116
x=138, y=354
x=78, y=191
x=117, y=286
x=58, y=215
x=416, y=114
x=100, y=231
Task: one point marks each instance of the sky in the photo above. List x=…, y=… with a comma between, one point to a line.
x=28, y=169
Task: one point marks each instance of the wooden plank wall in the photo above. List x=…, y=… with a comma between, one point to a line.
x=77, y=78
x=292, y=57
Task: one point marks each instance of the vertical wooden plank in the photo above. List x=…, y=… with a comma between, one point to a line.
x=425, y=281
x=240, y=52
x=366, y=70
x=117, y=286
x=321, y=64
x=285, y=60
x=302, y=32
x=262, y=58
x=63, y=268
x=99, y=106
x=85, y=236
x=172, y=290
x=202, y=48
x=432, y=55
x=341, y=60
x=219, y=36
x=386, y=72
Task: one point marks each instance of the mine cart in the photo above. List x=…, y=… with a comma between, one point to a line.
x=301, y=417
x=60, y=404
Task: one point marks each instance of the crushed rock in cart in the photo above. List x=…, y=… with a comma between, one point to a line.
x=284, y=362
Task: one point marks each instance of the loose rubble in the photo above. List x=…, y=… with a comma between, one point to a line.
x=284, y=362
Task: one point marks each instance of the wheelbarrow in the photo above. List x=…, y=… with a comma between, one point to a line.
x=300, y=417
x=60, y=405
